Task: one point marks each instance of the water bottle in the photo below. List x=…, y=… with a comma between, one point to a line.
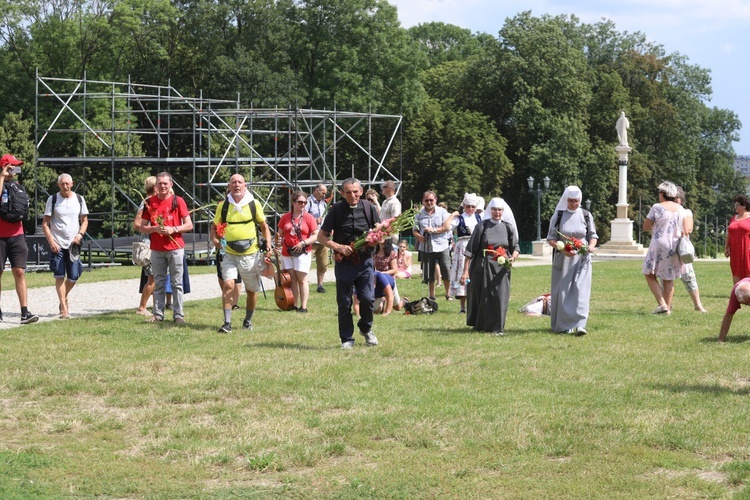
x=4, y=200
x=223, y=249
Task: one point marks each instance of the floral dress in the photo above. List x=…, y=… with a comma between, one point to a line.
x=662, y=259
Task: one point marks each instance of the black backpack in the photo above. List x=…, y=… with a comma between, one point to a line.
x=17, y=207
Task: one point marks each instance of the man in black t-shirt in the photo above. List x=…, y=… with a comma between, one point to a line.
x=347, y=220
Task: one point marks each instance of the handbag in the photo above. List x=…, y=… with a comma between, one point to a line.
x=686, y=250
x=141, y=253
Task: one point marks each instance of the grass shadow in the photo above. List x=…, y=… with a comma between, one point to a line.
x=703, y=389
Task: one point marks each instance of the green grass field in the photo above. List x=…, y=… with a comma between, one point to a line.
x=643, y=406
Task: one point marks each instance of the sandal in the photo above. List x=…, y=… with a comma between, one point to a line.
x=154, y=319
x=449, y=298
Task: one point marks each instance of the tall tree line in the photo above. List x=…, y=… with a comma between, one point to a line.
x=482, y=111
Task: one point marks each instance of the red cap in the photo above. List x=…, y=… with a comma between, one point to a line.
x=9, y=160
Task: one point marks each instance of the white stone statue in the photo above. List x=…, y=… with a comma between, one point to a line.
x=622, y=129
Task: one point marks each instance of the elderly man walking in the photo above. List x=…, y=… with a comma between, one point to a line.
x=345, y=222
x=165, y=217
x=65, y=222
x=317, y=207
x=237, y=219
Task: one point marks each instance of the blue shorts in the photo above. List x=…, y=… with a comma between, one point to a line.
x=61, y=266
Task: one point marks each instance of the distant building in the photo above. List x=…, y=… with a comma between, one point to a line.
x=742, y=166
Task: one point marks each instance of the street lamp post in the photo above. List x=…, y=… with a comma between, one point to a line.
x=538, y=192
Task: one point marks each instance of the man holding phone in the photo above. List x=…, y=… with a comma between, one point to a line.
x=12, y=238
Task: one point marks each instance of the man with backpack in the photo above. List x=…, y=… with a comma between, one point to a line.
x=345, y=222
x=165, y=217
x=14, y=207
x=240, y=221
x=65, y=222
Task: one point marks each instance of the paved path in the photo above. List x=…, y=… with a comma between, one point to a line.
x=97, y=298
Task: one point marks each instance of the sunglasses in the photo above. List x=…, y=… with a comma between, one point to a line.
x=301, y=202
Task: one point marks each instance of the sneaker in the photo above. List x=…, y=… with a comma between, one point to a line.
x=28, y=318
x=580, y=331
x=179, y=321
x=347, y=345
x=370, y=338
x=301, y=309
x=226, y=328
x=321, y=289
x=247, y=325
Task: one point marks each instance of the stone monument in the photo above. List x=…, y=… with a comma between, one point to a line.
x=621, y=241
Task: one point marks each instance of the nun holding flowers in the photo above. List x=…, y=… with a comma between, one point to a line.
x=571, y=268
x=489, y=254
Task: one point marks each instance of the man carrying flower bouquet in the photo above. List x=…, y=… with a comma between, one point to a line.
x=346, y=222
x=165, y=217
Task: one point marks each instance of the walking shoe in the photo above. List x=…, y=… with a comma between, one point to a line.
x=29, y=318
x=321, y=289
x=179, y=321
x=225, y=328
x=301, y=309
x=662, y=309
x=580, y=331
x=347, y=345
x=370, y=338
x=247, y=325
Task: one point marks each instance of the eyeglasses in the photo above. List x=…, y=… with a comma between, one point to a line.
x=430, y=200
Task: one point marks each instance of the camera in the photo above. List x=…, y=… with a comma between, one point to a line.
x=15, y=170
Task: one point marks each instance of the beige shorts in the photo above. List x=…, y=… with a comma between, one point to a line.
x=246, y=267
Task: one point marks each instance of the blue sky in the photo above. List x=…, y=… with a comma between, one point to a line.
x=712, y=34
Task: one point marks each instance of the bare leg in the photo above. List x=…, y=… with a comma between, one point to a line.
x=668, y=292
x=19, y=276
x=148, y=289
x=697, y=304
x=304, y=289
x=655, y=287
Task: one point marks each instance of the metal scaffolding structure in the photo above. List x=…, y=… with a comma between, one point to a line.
x=116, y=125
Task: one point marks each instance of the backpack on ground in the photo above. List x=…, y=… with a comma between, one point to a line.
x=16, y=207
x=425, y=305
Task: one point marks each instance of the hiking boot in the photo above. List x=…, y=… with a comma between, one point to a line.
x=225, y=328
x=347, y=345
x=247, y=325
x=29, y=318
x=370, y=338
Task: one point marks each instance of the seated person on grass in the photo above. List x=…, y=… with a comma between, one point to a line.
x=740, y=296
x=387, y=298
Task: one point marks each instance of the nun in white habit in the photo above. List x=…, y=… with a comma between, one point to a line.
x=571, y=273
x=488, y=289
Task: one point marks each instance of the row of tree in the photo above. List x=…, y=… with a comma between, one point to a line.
x=482, y=112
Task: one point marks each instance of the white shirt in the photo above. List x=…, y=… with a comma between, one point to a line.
x=65, y=223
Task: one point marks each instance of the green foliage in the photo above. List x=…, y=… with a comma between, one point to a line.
x=482, y=112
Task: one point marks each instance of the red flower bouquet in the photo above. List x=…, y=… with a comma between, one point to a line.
x=498, y=254
x=573, y=245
